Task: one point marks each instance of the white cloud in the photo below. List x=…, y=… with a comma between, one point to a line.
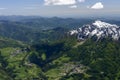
x=59, y=2
x=73, y=6
x=81, y=1
x=98, y=5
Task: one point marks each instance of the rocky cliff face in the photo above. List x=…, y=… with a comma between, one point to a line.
x=99, y=29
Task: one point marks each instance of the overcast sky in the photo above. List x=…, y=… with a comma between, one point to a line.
x=61, y=8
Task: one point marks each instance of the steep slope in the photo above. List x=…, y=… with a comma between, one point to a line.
x=7, y=42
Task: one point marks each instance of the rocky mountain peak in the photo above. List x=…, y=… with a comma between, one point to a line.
x=99, y=29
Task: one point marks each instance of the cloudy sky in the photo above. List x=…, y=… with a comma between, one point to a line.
x=61, y=8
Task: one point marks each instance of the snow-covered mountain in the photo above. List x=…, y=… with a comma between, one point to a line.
x=99, y=29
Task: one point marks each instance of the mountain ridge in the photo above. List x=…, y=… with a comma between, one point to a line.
x=98, y=29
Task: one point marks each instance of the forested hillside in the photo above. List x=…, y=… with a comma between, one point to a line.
x=61, y=60
x=28, y=53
